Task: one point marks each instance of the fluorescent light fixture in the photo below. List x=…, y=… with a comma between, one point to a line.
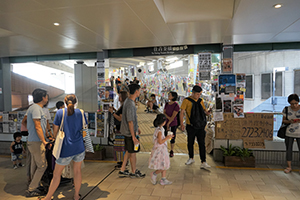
x=171, y=59
x=150, y=63
x=175, y=65
x=56, y=24
x=277, y=6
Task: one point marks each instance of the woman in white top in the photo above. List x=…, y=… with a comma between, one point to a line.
x=293, y=130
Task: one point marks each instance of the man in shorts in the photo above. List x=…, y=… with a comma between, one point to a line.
x=131, y=131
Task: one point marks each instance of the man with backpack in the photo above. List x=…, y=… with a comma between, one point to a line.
x=196, y=113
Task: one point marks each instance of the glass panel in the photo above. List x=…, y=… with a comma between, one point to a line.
x=278, y=84
x=249, y=90
x=297, y=82
x=265, y=86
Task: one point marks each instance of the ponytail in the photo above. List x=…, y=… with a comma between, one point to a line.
x=70, y=100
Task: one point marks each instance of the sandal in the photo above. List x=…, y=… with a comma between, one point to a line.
x=288, y=170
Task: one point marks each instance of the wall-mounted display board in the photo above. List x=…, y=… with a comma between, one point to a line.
x=254, y=127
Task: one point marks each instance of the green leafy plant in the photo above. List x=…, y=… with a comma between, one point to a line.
x=228, y=151
x=97, y=147
x=236, y=151
x=243, y=153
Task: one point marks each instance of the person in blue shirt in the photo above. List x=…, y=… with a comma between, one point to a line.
x=72, y=147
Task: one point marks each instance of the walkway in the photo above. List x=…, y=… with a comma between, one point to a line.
x=101, y=182
x=147, y=129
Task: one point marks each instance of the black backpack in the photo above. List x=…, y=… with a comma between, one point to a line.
x=198, y=117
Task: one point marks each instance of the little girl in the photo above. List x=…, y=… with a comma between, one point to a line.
x=159, y=159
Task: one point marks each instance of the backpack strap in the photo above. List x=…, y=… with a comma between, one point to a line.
x=191, y=100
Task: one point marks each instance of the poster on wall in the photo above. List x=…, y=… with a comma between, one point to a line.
x=204, y=61
x=218, y=116
x=227, y=65
x=227, y=84
x=238, y=111
x=204, y=75
x=227, y=105
x=100, y=124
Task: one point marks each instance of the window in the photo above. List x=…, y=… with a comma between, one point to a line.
x=266, y=83
x=297, y=82
x=249, y=87
x=278, y=84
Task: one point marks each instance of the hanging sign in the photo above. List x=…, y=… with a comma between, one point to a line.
x=163, y=50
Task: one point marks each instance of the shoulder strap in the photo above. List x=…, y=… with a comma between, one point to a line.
x=286, y=113
x=191, y=100
x=62, y=120
x=83, y=120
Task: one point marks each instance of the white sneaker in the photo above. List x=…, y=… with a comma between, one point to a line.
x=189, y=161
x=204, y=165
x=165, y=182
x=153, y=178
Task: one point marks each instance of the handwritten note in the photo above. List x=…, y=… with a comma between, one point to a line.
x=254, y=125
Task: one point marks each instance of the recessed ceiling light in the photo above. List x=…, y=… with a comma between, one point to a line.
x=56, y=24
x=277, y=6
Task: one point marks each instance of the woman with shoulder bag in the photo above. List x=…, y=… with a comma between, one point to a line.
x=293, y=130
x=72, y=146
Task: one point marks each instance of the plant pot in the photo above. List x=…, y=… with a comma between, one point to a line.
x=235, y=161
x=98, y=155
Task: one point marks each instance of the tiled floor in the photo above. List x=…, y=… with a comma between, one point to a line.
x=101, y=181
x=147, y=129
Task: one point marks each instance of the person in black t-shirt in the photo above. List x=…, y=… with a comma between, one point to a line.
x=17, y=149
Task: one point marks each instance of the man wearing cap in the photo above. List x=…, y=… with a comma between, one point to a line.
x=186, y=107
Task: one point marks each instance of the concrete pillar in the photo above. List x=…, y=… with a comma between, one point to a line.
x=5, y=85
x=86, y=87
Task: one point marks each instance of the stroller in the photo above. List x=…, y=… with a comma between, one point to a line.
x=48, y=174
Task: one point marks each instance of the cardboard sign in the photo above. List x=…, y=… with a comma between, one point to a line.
x=253, y=126
x=254, y=143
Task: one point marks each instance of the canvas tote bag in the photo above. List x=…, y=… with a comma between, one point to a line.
x=86, y=135
x=59, y=139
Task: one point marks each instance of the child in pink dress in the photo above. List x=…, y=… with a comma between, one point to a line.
x=159, y=159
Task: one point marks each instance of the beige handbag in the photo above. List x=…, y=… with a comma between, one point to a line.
x=59, y=139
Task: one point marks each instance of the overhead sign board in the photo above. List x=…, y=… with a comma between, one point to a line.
x=163, y=50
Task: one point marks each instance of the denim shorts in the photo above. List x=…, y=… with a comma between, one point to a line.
x=67, y=160
x=15, y=157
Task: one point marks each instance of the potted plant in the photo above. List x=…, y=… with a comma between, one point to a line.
x=99, y=153
x=238, y=157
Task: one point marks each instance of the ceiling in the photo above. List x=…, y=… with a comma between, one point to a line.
x=26, y=27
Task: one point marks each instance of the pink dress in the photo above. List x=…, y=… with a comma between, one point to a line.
x=159, y=159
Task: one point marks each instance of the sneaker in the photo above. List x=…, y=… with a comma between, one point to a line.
x=15, y=166
x=204, y=165
x=171, y=153
x=153, y=178
x=124, y=174
x=137, y=174
x=165, y=182
x=21, y=165
x=189, y=161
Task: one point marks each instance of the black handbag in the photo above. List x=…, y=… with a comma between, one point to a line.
x=282, y=131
